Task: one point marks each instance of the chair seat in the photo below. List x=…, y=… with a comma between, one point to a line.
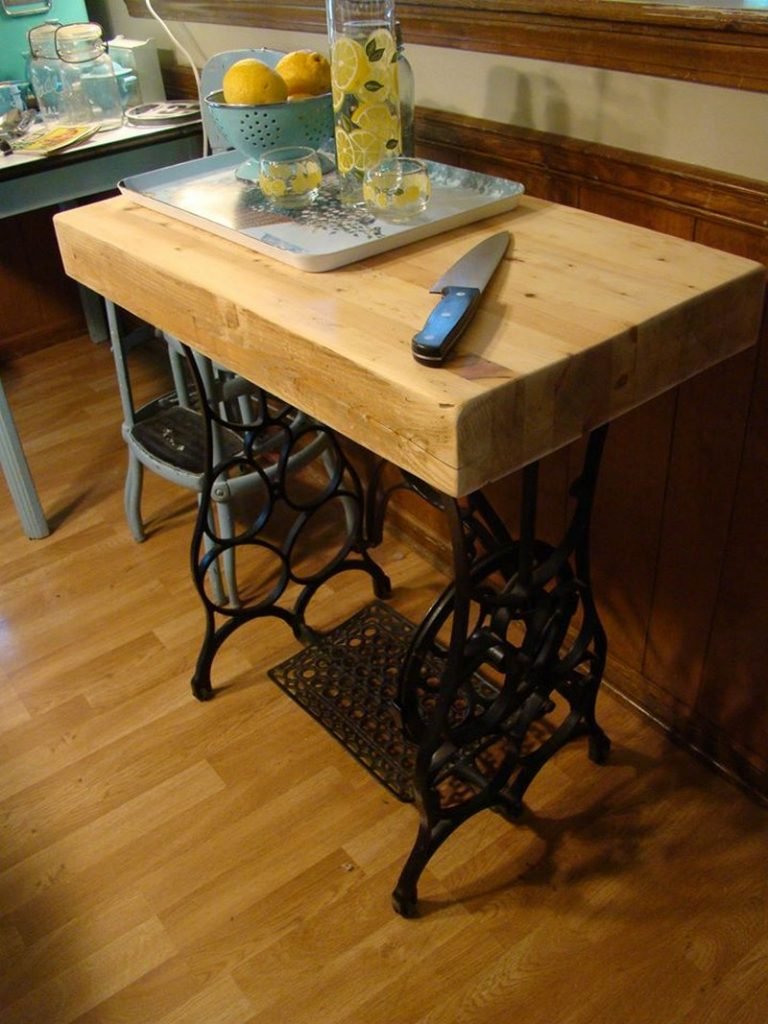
x=174, y=435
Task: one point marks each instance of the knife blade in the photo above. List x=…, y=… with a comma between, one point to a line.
x=461, y=288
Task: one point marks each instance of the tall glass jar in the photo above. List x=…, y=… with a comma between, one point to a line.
x=364, y=80
x=407, y=87
x=91, y=93
x=45, y=71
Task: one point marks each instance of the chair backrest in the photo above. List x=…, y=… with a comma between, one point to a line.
x=210, y=81
x=122, y=344
x=232, y=397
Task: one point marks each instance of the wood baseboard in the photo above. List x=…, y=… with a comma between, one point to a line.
x=689, y=729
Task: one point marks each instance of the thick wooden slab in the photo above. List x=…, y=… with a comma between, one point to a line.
x=586, y=318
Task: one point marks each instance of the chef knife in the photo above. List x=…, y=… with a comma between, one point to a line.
x=461, y=288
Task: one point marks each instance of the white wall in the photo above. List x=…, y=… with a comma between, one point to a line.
x=726, y=129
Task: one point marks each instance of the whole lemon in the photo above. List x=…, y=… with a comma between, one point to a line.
x=250, y=81
x=305, y=71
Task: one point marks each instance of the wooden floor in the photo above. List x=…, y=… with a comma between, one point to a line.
x=166, y=861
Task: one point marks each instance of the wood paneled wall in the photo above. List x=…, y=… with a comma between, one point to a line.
x=39, y=306
x=681, y=529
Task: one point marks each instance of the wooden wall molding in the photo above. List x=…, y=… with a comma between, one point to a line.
x=568, y=163
x=694, y=44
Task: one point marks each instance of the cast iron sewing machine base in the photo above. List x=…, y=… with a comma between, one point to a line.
x=520, y=652
x=503, y=670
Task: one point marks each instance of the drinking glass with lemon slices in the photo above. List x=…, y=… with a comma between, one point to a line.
x=290, y=176
x=397, y=189
x=366, y=103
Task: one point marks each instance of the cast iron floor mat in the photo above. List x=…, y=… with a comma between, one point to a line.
x=347, y=681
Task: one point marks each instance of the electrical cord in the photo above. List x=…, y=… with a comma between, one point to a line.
x=178, y=45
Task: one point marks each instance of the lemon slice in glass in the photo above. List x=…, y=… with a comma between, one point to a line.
x=380, y=47
x=380, y=79
x=378, y=119
x=338, y=96
x=272, y=186
x=307, y=178
x=378, y=84
x=348, y=65
x=345, y=154
x=368, y=149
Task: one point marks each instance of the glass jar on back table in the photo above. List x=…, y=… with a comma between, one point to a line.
x=364, y=80
x=90, y=86
x=45, y=71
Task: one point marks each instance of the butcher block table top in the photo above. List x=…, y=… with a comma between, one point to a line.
x=585, y=318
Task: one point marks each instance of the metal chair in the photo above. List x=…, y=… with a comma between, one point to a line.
x=166, y=436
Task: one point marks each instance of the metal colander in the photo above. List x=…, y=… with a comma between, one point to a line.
x=253, y=129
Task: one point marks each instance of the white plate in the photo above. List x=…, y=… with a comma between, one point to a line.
x=168, y=112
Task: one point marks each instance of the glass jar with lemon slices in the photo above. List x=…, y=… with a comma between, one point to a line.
x=364, y=83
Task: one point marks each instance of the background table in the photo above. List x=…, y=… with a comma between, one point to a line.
x=29, y=182
x=33, y=182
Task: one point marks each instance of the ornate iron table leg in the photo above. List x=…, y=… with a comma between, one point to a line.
x=502, y=672
x=259, y=449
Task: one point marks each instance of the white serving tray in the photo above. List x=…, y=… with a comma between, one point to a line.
x=207, y=193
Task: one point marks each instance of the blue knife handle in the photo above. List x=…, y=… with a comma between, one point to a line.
x=445, y=325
